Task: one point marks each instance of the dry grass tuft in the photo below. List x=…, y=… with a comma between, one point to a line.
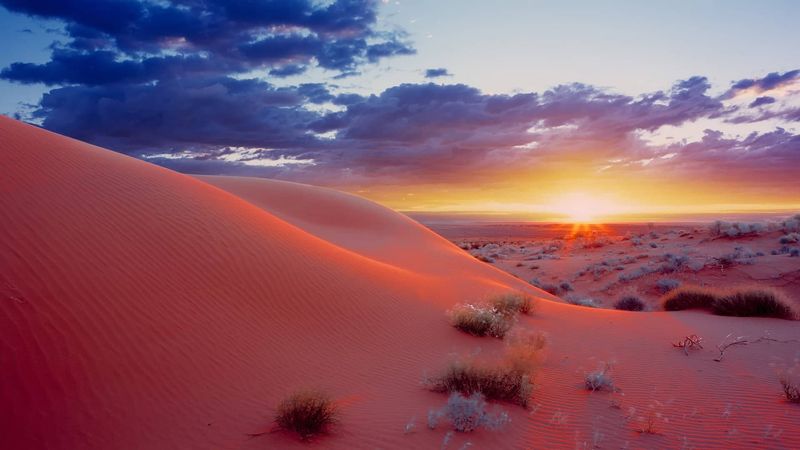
x=495, y=382
x=307, y=413
x=600, y=380
x=512, y=303
x=741, y=302
x=494, y=317
x=629, y=303
x=689, y=297
x=791, y=388
x=755, y=302
x=481, y=320
x=508, y=380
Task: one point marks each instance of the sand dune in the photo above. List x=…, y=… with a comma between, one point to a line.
x=141, y=308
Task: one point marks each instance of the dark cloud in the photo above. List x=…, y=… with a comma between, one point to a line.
x=761, y=101
x=183, y=114
x=288, y=70
x=126, y=41
x=411, y=131
x=175, y=78
x=771, y=81
x=435, y=73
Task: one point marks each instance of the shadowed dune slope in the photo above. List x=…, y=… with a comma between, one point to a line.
x=141, y=308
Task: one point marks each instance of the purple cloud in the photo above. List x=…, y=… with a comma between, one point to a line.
x=130, y=40
x=436, y=73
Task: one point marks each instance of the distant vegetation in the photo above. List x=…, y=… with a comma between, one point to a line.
x=665, y=285
x=579, y=300
x=629, y=303
x=552, y=288
x=721, y=228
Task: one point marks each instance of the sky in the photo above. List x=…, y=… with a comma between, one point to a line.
x=545, y=108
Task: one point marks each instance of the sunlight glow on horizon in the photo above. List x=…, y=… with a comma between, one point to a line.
x=580, y=207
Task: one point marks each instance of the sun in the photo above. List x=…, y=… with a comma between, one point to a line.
x=579, y=207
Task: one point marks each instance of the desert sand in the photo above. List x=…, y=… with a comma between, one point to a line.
x=603, y=262
x=143, y=308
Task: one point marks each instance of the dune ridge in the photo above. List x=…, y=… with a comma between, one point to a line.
x=142, y=308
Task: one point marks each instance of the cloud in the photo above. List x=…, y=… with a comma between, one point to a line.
x=183, y=114
x=183, y=84
x=435, y=73
x=761, y=101
x=771, y=81
x=135, y=41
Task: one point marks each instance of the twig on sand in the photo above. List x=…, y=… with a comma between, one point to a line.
x=744, y=340
x=689, y=342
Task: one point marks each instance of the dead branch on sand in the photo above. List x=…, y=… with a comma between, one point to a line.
x=689, y=342
x=744, y=340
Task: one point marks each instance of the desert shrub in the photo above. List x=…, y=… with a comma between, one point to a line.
x=600, y=379
x=665, y=285
x=480, y=320
x=307, y=413
x=565, y=286
x=495, y=382
x=754, y=302
x=673, y=263
x=741, y=302
x=524, y=351
x=740, y=255
x=689, y=297
x=636, y=273
x=794, y=253
x=508, y=380
x=578, y=300
x=791, y=388
x=485, y=259
x=467, y=414
x=512, y=303
x=791, y=224
x=629, y=303
x=547, y=287
x=735, y=229
x=790, y=238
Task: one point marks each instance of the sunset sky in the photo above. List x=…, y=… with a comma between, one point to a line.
x=618, y=107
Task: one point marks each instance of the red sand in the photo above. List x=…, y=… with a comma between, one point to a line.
x=142, y=308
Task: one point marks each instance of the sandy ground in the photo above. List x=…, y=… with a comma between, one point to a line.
x=142, y=308
x=606, y=262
